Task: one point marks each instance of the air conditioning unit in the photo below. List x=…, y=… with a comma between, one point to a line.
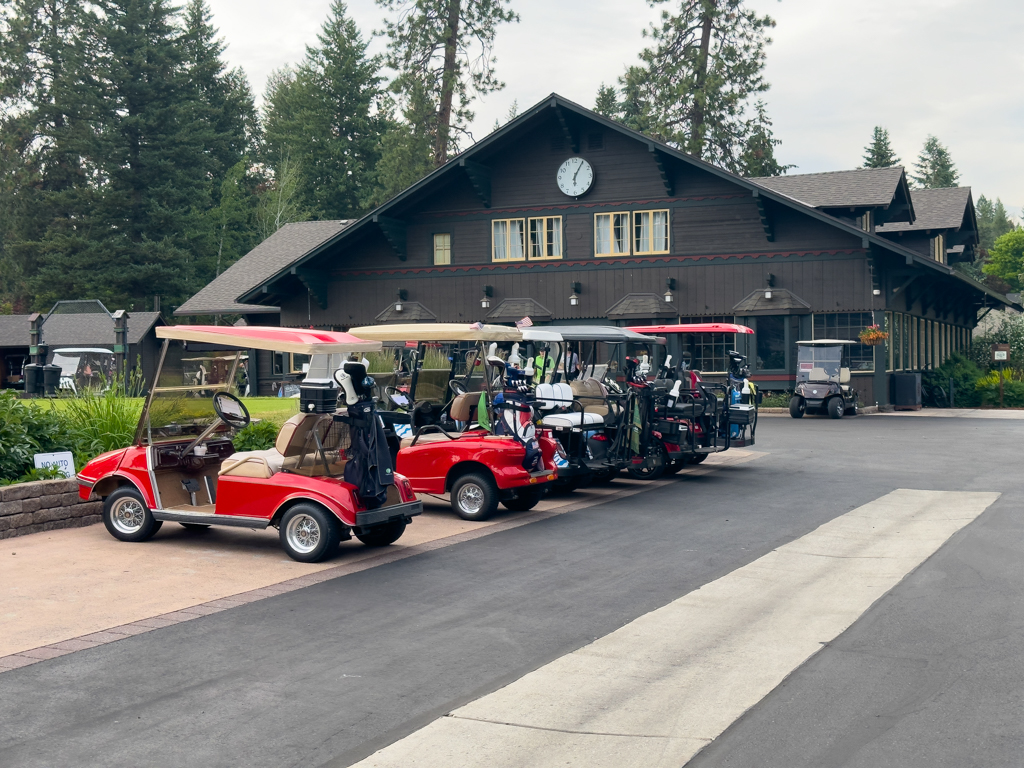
x=907, y=394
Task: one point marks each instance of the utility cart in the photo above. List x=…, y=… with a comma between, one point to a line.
x=823, y=379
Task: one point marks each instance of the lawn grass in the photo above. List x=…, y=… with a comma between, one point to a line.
x=275, y=409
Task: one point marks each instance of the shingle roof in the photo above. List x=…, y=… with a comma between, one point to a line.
x=936, y=209
x=510, y=310
x=782, y=302
x=290, y=243
x=412, y=312
x=75, y=330
x=14, y=330
x=837, y=189
x=640, y=305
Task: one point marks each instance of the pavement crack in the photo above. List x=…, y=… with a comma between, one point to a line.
x=574, y=732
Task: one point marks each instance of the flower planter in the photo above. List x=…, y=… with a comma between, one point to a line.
x=873, y=342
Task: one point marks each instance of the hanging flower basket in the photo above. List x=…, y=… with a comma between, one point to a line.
x=873, y=336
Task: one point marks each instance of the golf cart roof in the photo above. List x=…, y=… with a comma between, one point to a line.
x=453, y=332
x=826, y=343
x=296, y=340
x=607, y=333
x=693, y=328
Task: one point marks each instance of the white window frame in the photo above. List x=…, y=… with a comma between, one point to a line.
x=550, y=240
x=637, y=218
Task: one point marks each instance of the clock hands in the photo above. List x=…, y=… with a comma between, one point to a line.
x=578, y=169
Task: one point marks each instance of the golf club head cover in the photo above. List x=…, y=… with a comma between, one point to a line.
x=345, y=382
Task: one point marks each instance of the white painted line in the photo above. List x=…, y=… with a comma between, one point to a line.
x=656, y=691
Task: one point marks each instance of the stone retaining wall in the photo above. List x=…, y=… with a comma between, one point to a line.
x=45, y=505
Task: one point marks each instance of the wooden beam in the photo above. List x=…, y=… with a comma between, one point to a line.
x=315, y=281
x=666, y=180
x=394, y=233
x=574, y=141
x=480, y=177
x=766, y=222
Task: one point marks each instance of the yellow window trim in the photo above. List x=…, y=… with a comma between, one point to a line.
x=629, y=236
x=443, y=248
x=668, y=234
x=508, y=241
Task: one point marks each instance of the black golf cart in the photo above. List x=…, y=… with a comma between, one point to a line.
x=823, y=379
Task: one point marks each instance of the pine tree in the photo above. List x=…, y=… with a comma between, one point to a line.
x=934, y=168
x=442, y=51
x=879, y=153
x=993, y=223
x=705, y=64
x=607, y=102
x=758, y=158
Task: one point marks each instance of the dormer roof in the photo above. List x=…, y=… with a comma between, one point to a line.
x=860, y=188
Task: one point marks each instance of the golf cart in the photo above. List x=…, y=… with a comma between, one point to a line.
x=823, y=379
x=84, y=367
x=459, y=445
x=320, y=484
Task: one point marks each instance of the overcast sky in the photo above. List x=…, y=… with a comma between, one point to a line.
x=952, y=68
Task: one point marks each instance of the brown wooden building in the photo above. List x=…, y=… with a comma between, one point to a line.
x=567, y=216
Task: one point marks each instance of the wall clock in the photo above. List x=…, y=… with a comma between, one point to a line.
x=575, y=177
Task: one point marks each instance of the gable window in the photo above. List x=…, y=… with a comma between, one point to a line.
x=611, y=234
x=546, y=238
x=508, y=240
x=443, y=248
x=650, y=232
x=939, y=248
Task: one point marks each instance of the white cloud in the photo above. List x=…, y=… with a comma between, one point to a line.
x=952, y=68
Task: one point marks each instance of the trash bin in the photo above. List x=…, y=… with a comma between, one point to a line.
x=907, y=391
x=51, y=379
x=33, y=373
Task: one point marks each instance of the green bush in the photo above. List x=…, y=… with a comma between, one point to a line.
x=987, y=389
x=27, y=429
x=101, y=421
x=776, y=399
x=258, y=436
x=965, y=374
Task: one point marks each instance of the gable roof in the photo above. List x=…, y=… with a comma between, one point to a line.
x=861, y=187
x=782, y=302
x=944, y=208
x=93, y=329
x=634, y=306
x=14, y=330
x=286, y=246
x=380, y=215
x=510, y=310
x=412, y=312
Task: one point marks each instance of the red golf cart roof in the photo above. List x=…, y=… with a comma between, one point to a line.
x=692, y=328
x=298, y=340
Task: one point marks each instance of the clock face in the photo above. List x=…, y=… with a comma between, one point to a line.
x=575, y=176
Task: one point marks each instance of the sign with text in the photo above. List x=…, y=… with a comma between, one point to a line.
x=62, y=460
x=1000, y=353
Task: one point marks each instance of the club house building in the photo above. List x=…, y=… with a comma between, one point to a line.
x=565, y=216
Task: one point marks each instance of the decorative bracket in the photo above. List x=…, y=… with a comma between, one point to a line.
x=394, y=233
x=662, y=170
x=766, y=222
x=315, y=281
x=574, y=142
x=480, y=177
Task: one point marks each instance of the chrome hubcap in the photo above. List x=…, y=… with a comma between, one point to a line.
x=303, y=533
x=471, y=498
x=128, y=515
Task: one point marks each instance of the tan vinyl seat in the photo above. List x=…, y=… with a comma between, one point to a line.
x=463, y=408
x=288, y=448
x=591, y=395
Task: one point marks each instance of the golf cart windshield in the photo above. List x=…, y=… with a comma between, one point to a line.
x=819, y=363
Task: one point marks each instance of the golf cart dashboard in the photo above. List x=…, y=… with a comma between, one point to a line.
x=168, y=455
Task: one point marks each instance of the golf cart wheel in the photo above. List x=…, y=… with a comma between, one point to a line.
x=852, y=410
x=475, y=496
x=127, y=517
x=797, y=407
x=309, y=533
x=642, y=471
x=606, y=476
x=676, y=466
x=383, y=535
x=836, y=407
x=525, y=501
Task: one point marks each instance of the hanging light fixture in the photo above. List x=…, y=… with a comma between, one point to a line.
x=574, y=298
x=400, y=297
x=485, y=301
x=670, y=285
x=769, y=284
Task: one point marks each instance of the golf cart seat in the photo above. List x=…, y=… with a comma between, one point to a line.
x=462, y=409
x=817, y=374
x=287, y=450
x=572, y=419
x=550, y=396
x=591, y=395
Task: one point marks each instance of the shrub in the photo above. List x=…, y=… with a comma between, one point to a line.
x=987, y=388
x=102, y=421
x=964, y=373
x=776, y=399
x=27, y=429
x=258, y=436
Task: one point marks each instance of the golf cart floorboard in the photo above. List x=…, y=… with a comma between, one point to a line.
x=205, y=518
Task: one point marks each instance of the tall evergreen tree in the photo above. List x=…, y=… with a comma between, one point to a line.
x=607, y=102
x=328, y=117
x=705, y=63
x=879, y=153
x=934, y=168
x=758, y=158
x=993, y=223
x=442, y=52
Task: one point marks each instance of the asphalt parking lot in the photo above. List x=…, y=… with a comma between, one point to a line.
x=329, y=673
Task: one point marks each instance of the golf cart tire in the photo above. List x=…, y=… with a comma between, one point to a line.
x=383, y=535
x=836, y=407
x=606, y=476
x=116, y=508
x=675, y=467
x=797, y=407
x=526, y=501
x=642, y=472
x=301, y=522
x=470, y=487
x=852, y=410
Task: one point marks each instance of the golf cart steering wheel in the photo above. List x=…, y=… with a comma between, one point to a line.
x=231, y=410
x=456, y=387
x=397, y=397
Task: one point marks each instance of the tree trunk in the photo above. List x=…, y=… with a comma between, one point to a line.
x=448, y=76
x=696, y=147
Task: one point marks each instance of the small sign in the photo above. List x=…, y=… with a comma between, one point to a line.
x=1000, y=353
x=62, y=460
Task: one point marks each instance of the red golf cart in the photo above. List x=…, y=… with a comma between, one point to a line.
x=183, y=468
x=447, y=450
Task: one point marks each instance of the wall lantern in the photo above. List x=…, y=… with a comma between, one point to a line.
x=876, y=292
x=670, y=285
x=574, y=298
x=401, y=296
x=485, y=301
x=769, y=281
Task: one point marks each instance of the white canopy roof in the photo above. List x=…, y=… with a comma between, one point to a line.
x=452, y=332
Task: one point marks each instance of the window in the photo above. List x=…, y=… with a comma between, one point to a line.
x=279, y=363
x=865, y=221
x=299, y=363
x=847, y=325
x=771, y=342
x=650, y=232
x=896, y=341
x=546, y=238
x=508, y=240
x=908, y=361
x=709, y=352
x=939, y=248
x=443, y=248
x=611, y=234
